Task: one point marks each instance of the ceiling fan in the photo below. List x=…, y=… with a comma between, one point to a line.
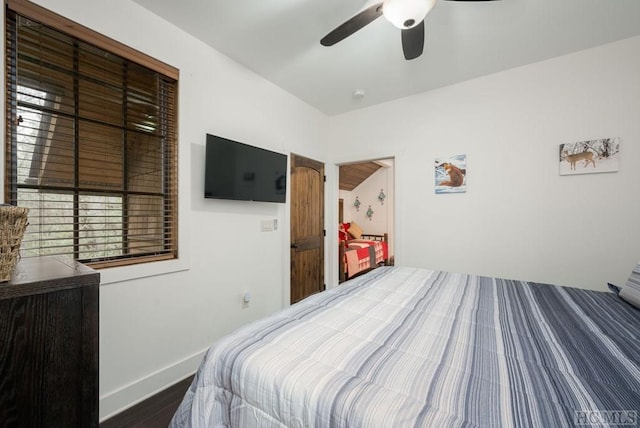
x=408, y=15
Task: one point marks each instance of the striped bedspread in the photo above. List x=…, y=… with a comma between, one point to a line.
x=404, y=347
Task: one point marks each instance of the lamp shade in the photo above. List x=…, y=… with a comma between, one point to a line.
x=406, y=14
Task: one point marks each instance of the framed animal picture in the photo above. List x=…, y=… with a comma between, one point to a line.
x=585, y=157
x=451, y=174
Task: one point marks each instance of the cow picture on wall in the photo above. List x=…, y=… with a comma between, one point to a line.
x=451, y=174
x=591, y=156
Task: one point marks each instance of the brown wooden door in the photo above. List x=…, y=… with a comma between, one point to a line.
x=307, y=227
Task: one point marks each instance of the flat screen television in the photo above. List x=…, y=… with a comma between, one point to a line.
x=238, y=171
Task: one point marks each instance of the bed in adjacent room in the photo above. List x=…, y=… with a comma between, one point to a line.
x=359, y=252
x=408, y=347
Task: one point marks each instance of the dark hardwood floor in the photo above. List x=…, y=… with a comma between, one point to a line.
x=154, y=412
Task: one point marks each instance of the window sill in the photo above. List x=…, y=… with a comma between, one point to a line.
x=143, y=270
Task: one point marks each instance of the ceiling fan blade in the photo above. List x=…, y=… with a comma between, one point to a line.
x=354, y=24
x=413, y=41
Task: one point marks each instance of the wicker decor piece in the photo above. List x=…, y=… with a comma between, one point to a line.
x=13, y=221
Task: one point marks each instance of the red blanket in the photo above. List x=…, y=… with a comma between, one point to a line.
x=362, y=254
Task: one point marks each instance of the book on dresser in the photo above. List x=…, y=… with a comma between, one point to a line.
x=49, y=313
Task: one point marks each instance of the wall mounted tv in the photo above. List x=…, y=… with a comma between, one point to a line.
x=242, y=172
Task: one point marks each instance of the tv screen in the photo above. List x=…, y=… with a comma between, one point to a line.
x=239, y=171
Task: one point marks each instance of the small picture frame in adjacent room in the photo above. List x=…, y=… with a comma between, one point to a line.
x=451, y=174
x=586, y=157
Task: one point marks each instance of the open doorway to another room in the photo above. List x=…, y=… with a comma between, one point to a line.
x=366, y=216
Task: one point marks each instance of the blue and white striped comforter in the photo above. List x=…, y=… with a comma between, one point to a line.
x=404, y=347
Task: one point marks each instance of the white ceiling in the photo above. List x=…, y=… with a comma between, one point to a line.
x=280, y=40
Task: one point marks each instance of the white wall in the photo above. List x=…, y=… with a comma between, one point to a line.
x=153, y=330
x=348, y=198
x=367, y=193
x=518, y=218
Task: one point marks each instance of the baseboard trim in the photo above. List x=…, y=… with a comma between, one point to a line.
x=121, y=399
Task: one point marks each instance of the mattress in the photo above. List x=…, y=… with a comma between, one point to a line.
x=407, y=347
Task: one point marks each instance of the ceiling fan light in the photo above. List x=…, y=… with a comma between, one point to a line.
x=406, y=14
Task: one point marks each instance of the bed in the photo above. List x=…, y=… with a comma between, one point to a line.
x=357, y=256
x=359, y=252
x=408, y=347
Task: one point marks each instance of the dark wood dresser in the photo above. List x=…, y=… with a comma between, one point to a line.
x=49, y=345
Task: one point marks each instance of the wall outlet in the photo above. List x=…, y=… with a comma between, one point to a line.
x=246, y=299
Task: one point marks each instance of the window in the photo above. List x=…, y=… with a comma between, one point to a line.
x=91, y=142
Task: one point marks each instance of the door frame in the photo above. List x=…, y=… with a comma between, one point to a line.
x=332, y=169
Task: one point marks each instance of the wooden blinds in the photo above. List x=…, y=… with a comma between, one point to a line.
x=91, y=147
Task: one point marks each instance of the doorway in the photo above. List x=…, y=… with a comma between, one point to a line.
x=367, y=196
